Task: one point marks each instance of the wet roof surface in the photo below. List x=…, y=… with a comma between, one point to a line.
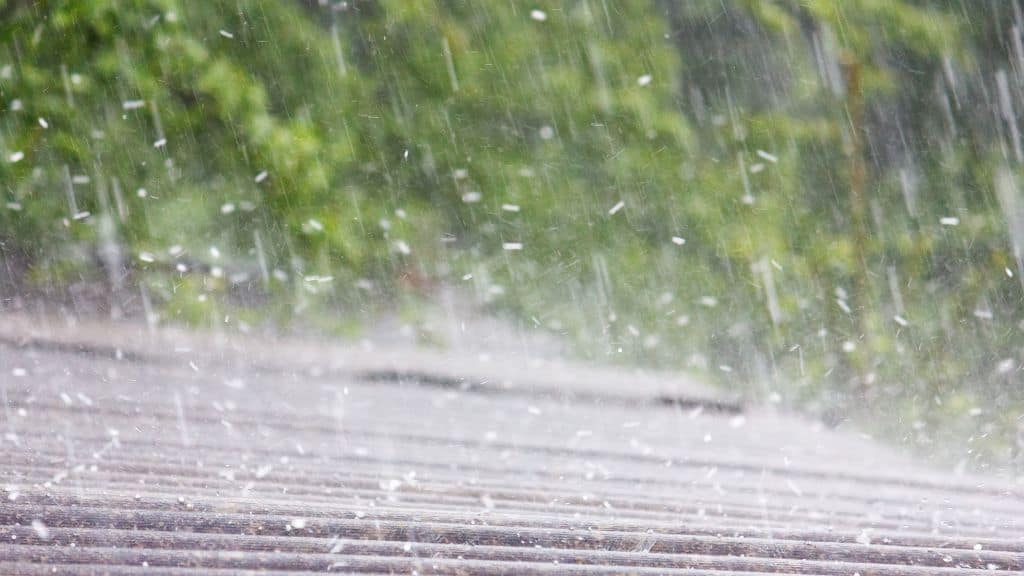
x=125, y=453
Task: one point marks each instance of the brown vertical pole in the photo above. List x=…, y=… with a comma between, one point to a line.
x=858, y=200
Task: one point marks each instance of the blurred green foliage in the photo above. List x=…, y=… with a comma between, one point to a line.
x=819, y=199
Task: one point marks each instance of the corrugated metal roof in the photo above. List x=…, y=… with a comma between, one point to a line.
x=128, y=453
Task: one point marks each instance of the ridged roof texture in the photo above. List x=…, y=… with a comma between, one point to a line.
x=126, y=452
